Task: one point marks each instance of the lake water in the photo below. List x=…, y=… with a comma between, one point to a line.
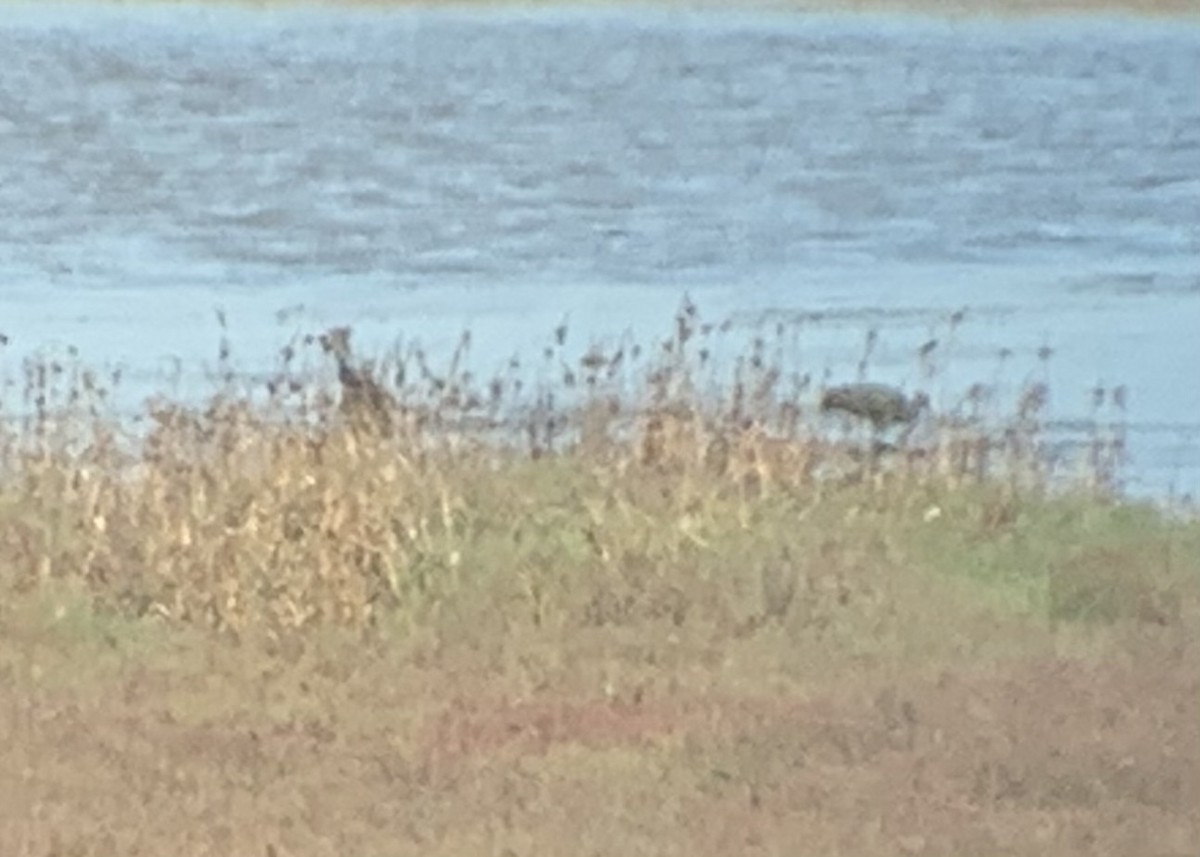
x=416, y=172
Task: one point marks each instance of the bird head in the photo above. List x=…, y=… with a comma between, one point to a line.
x=336, y=341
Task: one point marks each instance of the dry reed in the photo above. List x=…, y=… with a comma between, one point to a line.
x=608, y=488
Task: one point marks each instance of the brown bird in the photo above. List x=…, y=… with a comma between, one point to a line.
x=365, y=402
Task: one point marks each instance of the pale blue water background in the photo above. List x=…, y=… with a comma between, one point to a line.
x=416, y=172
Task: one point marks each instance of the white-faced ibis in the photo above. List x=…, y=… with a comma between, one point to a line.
x=878, y=404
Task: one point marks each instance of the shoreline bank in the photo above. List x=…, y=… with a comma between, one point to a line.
x=947, y=9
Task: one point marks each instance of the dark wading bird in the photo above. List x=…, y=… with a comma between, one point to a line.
x=365, y=403
x=880, y=405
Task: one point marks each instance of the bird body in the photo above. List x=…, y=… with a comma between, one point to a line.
x=879, y=404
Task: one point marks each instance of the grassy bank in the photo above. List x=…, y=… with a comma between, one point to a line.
x=629, y=603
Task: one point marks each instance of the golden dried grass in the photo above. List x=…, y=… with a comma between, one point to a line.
x=612, y=493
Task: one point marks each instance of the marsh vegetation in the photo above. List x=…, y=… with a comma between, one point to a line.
x=647, y=599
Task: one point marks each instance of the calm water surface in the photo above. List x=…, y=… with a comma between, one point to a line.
x=418, y=171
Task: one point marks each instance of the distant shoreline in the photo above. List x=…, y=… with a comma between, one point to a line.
x=1004, y=8
x=955, y=9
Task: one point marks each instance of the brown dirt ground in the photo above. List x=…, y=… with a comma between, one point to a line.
x=215, y=749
